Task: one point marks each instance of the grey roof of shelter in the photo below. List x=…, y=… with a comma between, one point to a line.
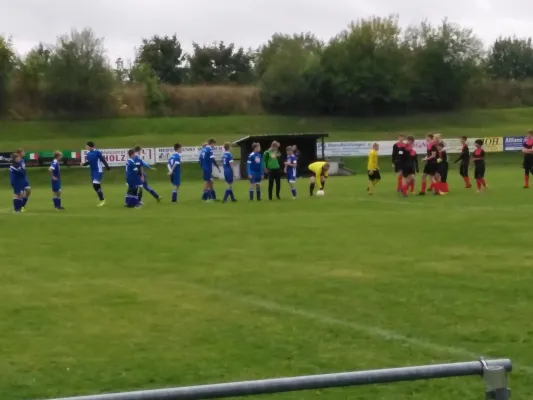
x=315, y=135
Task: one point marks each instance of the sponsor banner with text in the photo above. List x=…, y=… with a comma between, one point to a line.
x=513, y=143
x=5, y=159
x=118, y=157
x=188, y=154
x=493, y=144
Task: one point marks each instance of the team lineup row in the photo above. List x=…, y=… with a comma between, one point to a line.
x=137, y=182
x=436, y=164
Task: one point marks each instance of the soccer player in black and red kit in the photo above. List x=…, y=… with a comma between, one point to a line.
x=430, y=168
x=527, y=149
x=442, y=169
x=397, y=157
x=409, y=165
x=464, y=158
x=479, y=165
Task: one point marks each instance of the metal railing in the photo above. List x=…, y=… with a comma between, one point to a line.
x=493, y=372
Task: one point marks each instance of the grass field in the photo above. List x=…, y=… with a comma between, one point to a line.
x=153, y=132
x=97, y=300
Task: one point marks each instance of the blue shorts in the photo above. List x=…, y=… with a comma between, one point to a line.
x=256, y=178
x=26, y=183
x=228, y=176
x=56, y=186
x=18, y=189
x=175, y=180
x=97, y=177
x=207, y=175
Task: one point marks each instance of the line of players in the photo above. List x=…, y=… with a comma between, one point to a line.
x=137, y=182
x=436, y=165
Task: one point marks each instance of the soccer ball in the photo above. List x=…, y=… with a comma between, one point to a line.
x=320, y=193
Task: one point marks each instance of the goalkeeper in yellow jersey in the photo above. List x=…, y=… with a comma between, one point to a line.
x=319, y=174
x=373, y=169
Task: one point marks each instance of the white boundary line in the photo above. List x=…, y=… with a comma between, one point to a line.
x=369, y=330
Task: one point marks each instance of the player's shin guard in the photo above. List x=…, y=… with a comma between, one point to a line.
x=174, y=196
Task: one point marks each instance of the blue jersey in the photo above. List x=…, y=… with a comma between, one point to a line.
x=56, y=183
x=17, y=177
x=206, y=159
x=132, y=173
x=55, y=169
x=140, y=163
x=174, y=166
x=95, y=159
x=291, y=171
x=227, y=160
x=255, y=164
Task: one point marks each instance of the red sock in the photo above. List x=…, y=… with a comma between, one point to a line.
x=478, y=183
x=483, y=182
x=432, y=186
x=399, y=186
x=467, y=181
x=436, y=187
x=424, y=185
x=405, y=188
x=412, y=186
x=527, y=180
x=446, y=188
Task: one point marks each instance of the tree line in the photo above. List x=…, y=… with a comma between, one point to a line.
x=371, y=67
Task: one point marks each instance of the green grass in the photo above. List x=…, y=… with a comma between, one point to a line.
x=152, y=132
x=97, y=300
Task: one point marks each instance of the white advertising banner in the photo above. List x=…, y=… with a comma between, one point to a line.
x=188, y=154
x=118, y=157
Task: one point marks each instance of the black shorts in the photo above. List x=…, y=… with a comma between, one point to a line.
x=407, y=171
x=479, y=171
x=430, y=168
x=463, y=169
x=373, y=175
x=398, y=166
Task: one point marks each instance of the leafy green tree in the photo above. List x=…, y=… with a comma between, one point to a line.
x=510, y=58
x=220, y=64
x=30, y=76
x=78, y=79
x=365, y=68
x=7, y=65
x=164, y=55
x=154, y=97
x=445, y=59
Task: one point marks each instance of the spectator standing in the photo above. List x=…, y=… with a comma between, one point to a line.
x=273, y=169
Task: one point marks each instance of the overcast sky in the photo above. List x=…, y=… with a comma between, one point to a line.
x=248, y=23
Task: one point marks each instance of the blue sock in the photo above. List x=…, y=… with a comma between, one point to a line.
x=152, y=192
x=207, y=194
x=251, y=194
x=293, y=192
x=226, y=195
x=127, y=201
x=59, y=202
x=140, y=195
x=231, y=195
x=56, y=202
x=16, y=205
x=24, y=201
x=174, y=196
x=135, y=201
x=213, y=194
x=258, y=194
x=100, y=194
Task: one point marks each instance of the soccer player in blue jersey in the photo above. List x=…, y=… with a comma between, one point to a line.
x=17, y=178
x=55, y=176
x=96, y=163
x=145, y=185
x=207, y=160
x=255, y=170
x=27, y=187
x=290, y=169
x=134, y=178
x=227, y=165
x=174, y=171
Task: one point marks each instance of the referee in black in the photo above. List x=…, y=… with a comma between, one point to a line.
x=273, y=169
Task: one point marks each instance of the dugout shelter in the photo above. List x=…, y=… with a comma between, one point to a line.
x=306, y=143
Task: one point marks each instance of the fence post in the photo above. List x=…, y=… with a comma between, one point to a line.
x=495, y=378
